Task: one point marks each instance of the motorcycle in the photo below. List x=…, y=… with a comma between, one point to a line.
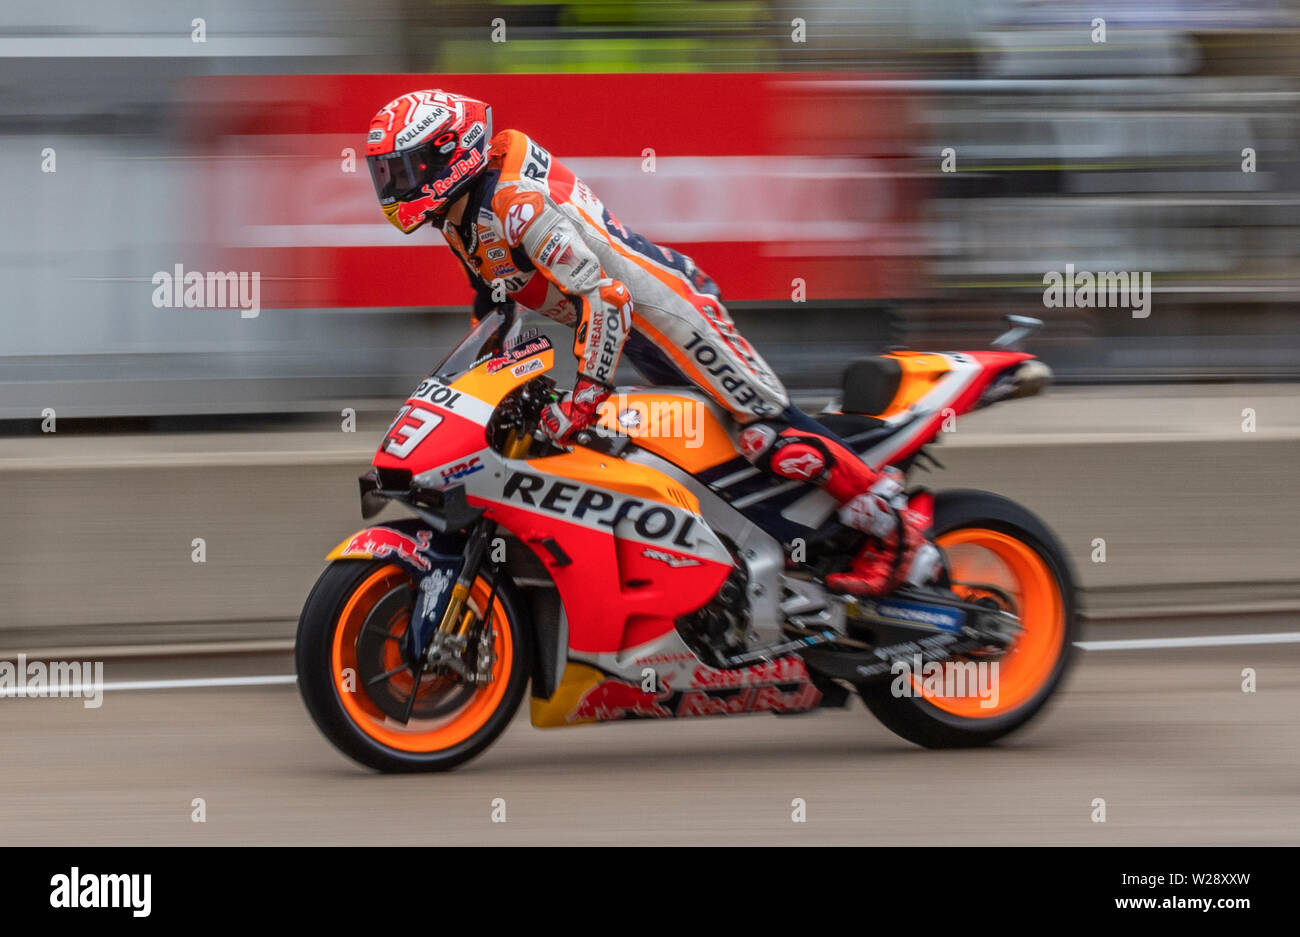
x=651, y=572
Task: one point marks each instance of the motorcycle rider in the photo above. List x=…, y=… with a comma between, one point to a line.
x=530, y=232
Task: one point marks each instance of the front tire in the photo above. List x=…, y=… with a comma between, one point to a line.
x=988, y=537
x=349, y=638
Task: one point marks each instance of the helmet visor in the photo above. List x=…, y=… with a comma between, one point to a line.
x=398, y=175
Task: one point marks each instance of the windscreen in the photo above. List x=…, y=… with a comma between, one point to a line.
x=487, y=338
x=499, y=331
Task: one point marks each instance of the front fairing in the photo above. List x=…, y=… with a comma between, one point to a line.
x=439, y=434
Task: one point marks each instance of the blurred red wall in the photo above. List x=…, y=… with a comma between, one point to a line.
x=762, y=178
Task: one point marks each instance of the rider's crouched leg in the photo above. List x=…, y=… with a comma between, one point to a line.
x=871, y=502
x=898, y=552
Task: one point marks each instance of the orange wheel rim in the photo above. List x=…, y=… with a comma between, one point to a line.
x=418, y=735
x=979, y=555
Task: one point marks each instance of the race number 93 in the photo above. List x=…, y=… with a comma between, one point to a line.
x=410, y=428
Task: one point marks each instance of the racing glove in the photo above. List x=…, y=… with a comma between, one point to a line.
x=575, y=411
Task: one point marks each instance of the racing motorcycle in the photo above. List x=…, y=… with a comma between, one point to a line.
x=651, y=572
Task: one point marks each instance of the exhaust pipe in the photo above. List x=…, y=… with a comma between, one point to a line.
x=1027, y=379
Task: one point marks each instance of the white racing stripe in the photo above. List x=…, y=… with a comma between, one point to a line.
x=1209, y=640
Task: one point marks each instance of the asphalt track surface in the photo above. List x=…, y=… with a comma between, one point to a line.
x=1164, y=735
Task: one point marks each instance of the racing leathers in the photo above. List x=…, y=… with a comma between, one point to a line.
x=533, y=233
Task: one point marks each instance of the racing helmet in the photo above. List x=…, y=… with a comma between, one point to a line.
x=424, y=150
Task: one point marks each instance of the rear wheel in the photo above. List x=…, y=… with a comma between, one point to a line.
x=367, y=700
x=1001, y=555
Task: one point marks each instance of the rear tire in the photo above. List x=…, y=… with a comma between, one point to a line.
x=461, y=720
x=1040, y=656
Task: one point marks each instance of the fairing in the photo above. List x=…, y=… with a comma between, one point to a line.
x=625, y=540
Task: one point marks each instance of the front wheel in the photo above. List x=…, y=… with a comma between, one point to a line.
x=370, y=704
x=998, y=553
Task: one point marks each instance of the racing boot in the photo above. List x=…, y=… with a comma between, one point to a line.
x=871, y=502
x=897, y=552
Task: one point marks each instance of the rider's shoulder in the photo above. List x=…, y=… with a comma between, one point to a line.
x=508, y=141
x=516, y=207
x=517, y=198
x=508, y=153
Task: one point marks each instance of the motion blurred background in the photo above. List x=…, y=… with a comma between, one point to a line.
x=775, y=158
x=798, y=155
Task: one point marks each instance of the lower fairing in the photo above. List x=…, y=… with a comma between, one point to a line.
x=664, y=679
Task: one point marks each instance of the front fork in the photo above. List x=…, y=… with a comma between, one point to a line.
x=457, y=619
x=445, y=644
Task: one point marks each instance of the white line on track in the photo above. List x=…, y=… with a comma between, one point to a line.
x=196, y=683
x=1135, y=644
x=1209, y=640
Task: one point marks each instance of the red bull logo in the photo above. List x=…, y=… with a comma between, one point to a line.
x=615, y=699
x=412, y=213
x=385, y=542
x=783, y=670
x=752, y=700
x=462, y=168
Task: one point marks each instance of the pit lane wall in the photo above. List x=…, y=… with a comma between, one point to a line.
x=99, y=533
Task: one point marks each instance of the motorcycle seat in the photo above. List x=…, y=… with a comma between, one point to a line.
x=845, y=425
x=869, y=385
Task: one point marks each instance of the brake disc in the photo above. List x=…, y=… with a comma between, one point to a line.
x=385, y=674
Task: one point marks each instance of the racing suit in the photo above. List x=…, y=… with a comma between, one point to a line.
x=533, y=233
